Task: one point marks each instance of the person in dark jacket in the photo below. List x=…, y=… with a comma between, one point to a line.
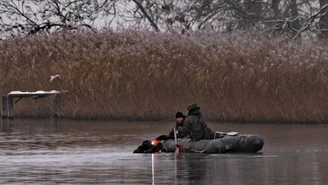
x=179, y=124
x=195, y=126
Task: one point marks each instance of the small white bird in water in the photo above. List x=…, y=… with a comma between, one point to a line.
x=54, y=77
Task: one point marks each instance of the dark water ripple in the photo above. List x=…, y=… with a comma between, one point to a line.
x=84, y=152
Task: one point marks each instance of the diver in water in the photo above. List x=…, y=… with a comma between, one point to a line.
x=148, y=147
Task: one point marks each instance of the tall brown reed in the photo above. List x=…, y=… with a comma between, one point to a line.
x=150, y=76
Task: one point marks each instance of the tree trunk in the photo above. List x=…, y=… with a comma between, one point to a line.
x=294, y=13
x=323, y=20
x=276, y=10
x=254, y=12
x=148, y=17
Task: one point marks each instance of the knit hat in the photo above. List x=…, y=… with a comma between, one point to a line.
x=179, y=115
x=193, y=107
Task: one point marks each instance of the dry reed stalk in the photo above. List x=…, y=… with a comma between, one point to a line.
x=149, y=76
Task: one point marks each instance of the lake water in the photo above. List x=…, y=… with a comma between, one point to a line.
x=100, y=152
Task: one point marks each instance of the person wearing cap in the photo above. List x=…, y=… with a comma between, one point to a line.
x=179, y=123
x=195, y=126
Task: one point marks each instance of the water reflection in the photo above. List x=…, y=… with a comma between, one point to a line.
x=6, y=126
x=90, y=152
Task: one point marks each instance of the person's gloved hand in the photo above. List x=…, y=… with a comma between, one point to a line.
x=161, y=137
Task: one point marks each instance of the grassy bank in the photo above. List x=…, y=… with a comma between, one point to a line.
x=150, y=76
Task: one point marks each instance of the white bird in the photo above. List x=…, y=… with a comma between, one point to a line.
x=54, y=77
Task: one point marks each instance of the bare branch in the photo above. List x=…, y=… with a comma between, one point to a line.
x=150, y=19
x=311, y=20
x=26, y=17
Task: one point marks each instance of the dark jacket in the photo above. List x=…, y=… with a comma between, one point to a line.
x=195, y=126
x=181, y=133
x=180, y=129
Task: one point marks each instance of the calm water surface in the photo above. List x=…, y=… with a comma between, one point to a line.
x=93, y=152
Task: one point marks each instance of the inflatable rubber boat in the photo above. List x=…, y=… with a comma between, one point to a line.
x=226, y=143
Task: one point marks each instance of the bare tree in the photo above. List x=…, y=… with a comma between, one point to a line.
x=290, y=17
x=25, y=17
x=146, y=14
x=294, y=18
x=323, y=18
x=181, y=15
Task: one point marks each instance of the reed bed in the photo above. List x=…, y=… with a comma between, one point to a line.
x=141, y=75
